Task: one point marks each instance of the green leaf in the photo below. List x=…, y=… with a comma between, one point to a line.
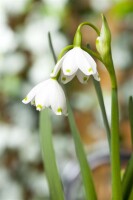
x=48, y=154
x=131, y=117
x=101, y=103
x=127, y=182
x=131, y=194
x=122, y=9
x=84, y=165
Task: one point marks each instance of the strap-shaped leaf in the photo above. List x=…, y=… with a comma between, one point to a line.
x=84, y=165
x=102, y=106
x=127, y=182
x=131, y=117
x=48, y=154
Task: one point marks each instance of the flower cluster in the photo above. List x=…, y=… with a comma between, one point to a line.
x=49, y=93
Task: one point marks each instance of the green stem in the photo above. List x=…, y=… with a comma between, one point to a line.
x=115, y=148
x=131, y=117
x=127, y=182
x=102, y=106
x=55, y=185
x=51, y=47
x=92, y=53
x=78, y=36
x=84, y=166
x=91, y=25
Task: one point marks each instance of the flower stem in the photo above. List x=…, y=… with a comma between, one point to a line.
x=55, y=185
x=92, y=53
x=51, y=47
x=115, y=150
x=78, y=36
x=89, y=24
x=84, y=165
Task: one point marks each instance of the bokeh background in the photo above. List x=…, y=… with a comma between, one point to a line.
x=25, y=60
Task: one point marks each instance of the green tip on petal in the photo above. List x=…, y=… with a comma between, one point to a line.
x=25, y=100
x=39, y=107
x=90, y=70
x=54, y=78
x=59, y=110
x=63, y=78
x=33, y=103
x=85, y=78
x=68, y=70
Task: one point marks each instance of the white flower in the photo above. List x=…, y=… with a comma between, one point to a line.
x=76, y=62
x=48, y=94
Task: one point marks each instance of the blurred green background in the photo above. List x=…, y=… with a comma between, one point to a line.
x=25, y=60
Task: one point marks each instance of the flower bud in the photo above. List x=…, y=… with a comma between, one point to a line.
x=103, y=42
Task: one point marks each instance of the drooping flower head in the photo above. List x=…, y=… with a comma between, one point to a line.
x=48, y=93
x=76, y=62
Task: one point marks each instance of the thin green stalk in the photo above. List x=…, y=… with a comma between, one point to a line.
x=78, y=36
x=127, y=181
x=51, y=47
x=88, y=24
x=92, y=53
x=84, y=166
x=115, y=150
x=55, y=185
x=102, y=106
x=131, y=117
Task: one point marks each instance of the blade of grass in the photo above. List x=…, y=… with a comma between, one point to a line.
x=84, y=165
x=48, y=155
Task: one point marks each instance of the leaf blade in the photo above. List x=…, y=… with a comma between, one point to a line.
x=48, y=155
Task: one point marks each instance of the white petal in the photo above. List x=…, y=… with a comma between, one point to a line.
x=57, y=67
x=42, y=100
x=33, y=92
x=83, y=63
x=42, y=97
x=58, y=99
x=69, y=65
x=65, y=79
x=82, y=77
x=91, y=61
x=96, y=76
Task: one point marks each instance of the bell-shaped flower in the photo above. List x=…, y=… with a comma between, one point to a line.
x=76, y=62
x=48, y=93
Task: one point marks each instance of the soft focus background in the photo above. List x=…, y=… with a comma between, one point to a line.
x=25, y=60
